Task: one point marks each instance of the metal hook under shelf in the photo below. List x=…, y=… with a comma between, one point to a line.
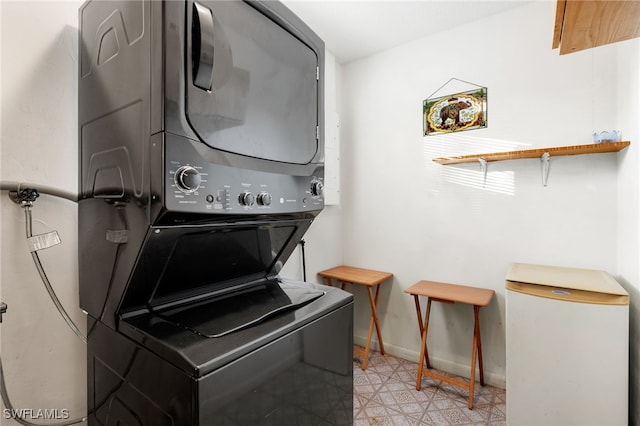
x=483, y=170
x=545, y=167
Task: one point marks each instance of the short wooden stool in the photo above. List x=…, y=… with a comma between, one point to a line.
x=370, y=279
x=450, y=293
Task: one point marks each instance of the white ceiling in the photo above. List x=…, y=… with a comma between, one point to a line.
x=353, y=29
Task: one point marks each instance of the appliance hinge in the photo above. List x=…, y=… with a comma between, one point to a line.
x=317, y=73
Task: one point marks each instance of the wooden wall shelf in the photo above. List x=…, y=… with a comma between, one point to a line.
x=536, y=153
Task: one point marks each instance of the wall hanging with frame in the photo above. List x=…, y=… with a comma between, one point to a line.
x=464, y=110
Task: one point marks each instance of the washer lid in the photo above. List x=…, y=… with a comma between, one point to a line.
x=580, y=285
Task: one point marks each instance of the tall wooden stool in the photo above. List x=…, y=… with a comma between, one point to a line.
x=369, y=278
x=450, y=293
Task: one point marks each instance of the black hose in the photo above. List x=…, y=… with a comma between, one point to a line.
x=43, y=189
x=13, y=411
x=45, y=280
x=4, y=394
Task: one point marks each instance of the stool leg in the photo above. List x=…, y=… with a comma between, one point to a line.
x=424, y=353
x=416, y=299
x=474, y=354
x=374, y=307
x=373, y=322
x=426, y=327
x=477, y=321
x=365, y=355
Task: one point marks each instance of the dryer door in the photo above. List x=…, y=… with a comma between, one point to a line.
x=252, y=86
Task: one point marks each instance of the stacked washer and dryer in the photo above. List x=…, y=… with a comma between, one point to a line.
x=201, y=168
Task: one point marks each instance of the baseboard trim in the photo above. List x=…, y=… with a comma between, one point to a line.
x=497, y=380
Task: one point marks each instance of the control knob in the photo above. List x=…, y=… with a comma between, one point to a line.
x=187, y=179
x=317, y=188
x=246, y=199
x=264, y=199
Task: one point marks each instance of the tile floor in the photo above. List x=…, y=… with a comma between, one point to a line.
x=385, y=394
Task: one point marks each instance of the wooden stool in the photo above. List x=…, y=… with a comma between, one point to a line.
x=370, y=279
x=450, y=293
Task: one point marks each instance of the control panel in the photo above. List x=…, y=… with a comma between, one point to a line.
x=196, y=186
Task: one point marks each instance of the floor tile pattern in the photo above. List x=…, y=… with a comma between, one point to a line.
x=385, y=394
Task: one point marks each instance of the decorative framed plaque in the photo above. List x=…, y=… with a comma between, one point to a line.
x=456, y=112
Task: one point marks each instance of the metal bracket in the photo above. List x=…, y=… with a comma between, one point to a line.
x=545, y=167
x=483, y=170
x=3, y=309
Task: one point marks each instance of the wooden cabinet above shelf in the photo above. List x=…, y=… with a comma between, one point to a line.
x=536, y=153
x=581, y=25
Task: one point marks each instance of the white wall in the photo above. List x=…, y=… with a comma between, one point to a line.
x=628, y=68
x=404, y=214
x=44, y=362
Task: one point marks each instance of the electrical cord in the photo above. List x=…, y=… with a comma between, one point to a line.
x=125, y=224
x=304, y=263
x=25, y=196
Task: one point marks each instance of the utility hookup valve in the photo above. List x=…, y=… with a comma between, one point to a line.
x=24, y=196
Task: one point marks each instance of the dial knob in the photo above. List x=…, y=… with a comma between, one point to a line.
x=264, y=199
x=317, y=188
x=188, y=179
x=246, y=199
